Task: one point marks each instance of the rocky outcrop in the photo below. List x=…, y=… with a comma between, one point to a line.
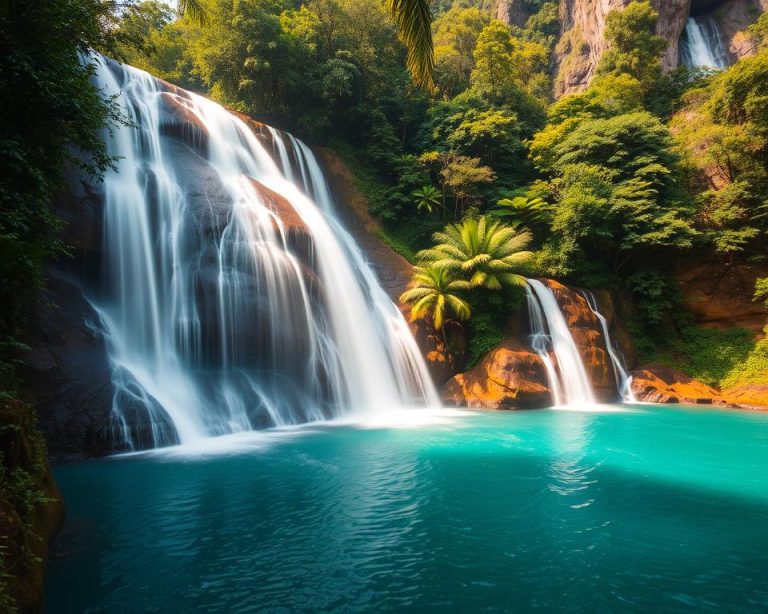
x=582, y=40
x=512, y=12
x=511, y=376
x=719, y=295
x=734, y=17
x=747, y=396
x=656, y=383
x=31, y=511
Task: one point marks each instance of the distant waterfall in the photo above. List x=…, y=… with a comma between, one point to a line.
x=701, y=45
x=623, y=380
x=568, y=381
x=215, y=321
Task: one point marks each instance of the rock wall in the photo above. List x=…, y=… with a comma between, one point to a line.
x=734, y=16
x=719, y=294
x=582, y=25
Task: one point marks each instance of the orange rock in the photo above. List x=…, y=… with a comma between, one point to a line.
x=509, y=377
x=748, y=396
x=659, y=384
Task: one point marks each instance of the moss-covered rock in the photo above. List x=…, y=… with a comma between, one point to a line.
x=31, y=510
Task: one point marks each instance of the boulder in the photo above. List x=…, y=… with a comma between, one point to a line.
x=657, y=383
x=509, y=377
x=747, y=396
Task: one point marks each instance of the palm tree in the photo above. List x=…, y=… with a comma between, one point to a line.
x=414, y=24
x=488, y=253
x=433, y=292
x=427, y=197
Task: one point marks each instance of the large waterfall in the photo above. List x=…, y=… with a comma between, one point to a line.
x=701, y=45
x=234, y=299
x=568, y=381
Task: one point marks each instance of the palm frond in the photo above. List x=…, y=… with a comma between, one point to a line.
x=195, y=9
x=414, y=24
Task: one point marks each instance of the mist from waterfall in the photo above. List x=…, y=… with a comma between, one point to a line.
x=701, y=45
x=216, y=321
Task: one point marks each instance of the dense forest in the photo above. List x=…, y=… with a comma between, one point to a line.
x=600, y=189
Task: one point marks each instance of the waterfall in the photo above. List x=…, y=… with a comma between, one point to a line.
x=569, y=382
x=702, y=44
x=233, y=297
x=623, y=380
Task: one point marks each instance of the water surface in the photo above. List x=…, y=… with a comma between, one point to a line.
x=650, y=509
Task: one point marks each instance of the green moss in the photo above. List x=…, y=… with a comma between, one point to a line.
x=752, y=370
x=486, y=332
x=710, y=355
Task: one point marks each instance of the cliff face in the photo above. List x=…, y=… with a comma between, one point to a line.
x=582, y=27
x=582, y=42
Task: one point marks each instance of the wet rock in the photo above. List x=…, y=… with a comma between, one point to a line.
x=510, y=377
x=656, y=383
x=748, y=396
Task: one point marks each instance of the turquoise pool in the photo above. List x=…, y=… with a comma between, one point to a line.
x=645, y=508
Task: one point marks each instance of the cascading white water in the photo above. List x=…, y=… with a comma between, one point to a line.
x=623, y=380
x=540, y=342
x=216, y=320
x=702, y=45
x=569, y=382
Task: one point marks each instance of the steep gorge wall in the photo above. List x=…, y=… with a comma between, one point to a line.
x=582, y=25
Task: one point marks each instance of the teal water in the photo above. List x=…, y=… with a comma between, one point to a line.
x=652, y=509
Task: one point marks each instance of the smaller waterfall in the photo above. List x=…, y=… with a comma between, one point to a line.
x=701, y=45
x=623, y=380
x=569, y=382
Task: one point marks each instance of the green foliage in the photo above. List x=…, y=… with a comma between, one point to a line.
x=491, y=314
x=51, y=111
x=486, y=252
x=618, y=200
x=508, y=68
x=720, y=132
x=633, y=47
x=436, y=293
x=753, y=369
x=715, y=357
x=427, y=198
x=761, y=290
x=529, y=206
